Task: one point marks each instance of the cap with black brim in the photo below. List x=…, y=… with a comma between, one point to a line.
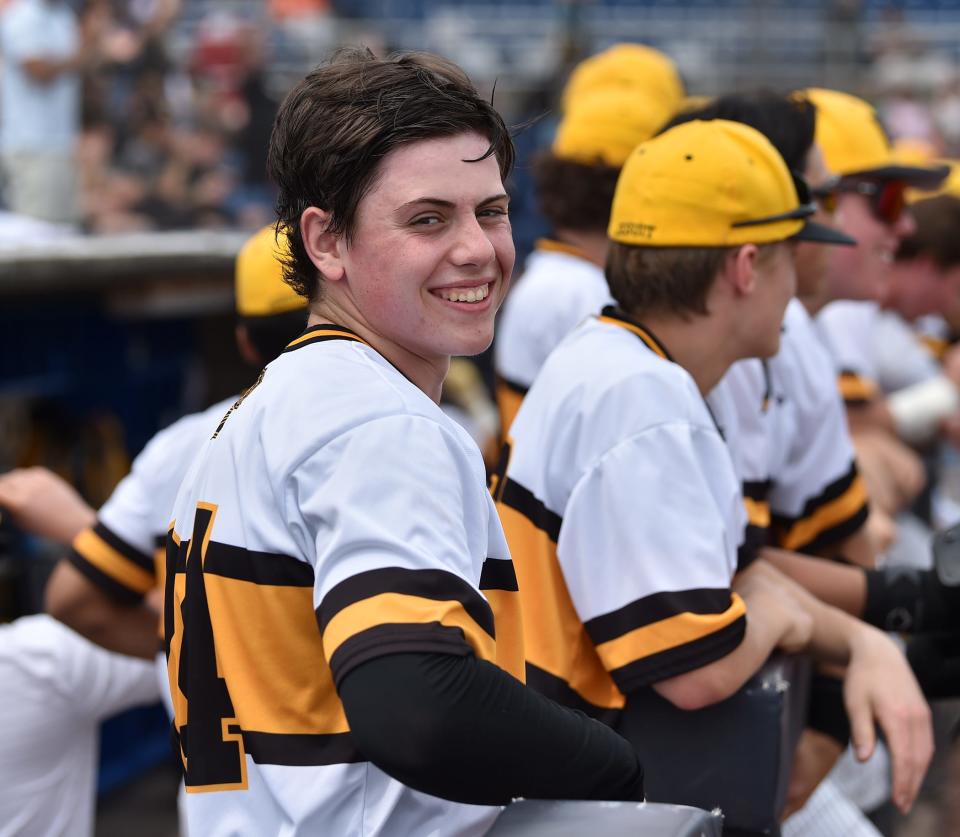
x=822, y=234
x=920, y=177
x=810, y=231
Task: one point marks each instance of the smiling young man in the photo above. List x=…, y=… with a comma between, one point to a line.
x=341, y=613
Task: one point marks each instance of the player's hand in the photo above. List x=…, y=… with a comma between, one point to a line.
x=41, y=503
x=880, y=688
x=815, y=757
x=761, y=580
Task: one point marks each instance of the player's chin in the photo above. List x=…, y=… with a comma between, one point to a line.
x=475, y=340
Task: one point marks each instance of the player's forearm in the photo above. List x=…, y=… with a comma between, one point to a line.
x=126, y=629
x=462, y=729
x=767, y=622
x=839, y=585
x=857, y=549
x=835, y=633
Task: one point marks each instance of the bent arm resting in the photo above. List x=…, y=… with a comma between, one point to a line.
x=462, y=729
x=127, y=629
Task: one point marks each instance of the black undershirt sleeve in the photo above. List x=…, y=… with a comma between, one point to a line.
x=463, y=729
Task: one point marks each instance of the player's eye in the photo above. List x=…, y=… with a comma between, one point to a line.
x=426, y=220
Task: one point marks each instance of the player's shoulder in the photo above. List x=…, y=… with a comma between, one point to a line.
x=177, y=442
x=610, y=372
x=312, y=395
x=555, y=283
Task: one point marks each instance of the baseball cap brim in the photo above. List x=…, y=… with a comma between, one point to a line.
x=920, y=177
x=822, y=234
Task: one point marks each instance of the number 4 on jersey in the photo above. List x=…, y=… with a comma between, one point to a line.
x=205, y=724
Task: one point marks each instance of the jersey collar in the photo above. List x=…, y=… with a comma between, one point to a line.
x=614, y=316
x=551, y=245
x=322, y=333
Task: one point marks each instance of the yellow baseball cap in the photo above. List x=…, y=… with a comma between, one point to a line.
x=258, y=279
x=606, y=126
x=854, y=142
x=631, y=67
x=712, y=184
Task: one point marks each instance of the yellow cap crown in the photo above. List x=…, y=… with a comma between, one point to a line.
x=692, y=185
x=849, y=133
x=260, y=289
x=606, y=126
x=630, y=67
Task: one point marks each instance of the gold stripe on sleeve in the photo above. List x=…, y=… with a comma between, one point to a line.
x=666, y=634
x=108, y=560
x=827, y=516
x=398, y=608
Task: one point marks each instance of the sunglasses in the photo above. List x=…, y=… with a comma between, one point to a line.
x=826, y=195
x=887, y=198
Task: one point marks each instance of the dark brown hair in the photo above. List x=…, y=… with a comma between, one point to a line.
x=663, y=280
x=572, y=195
x=937, y=235
x=337, y=125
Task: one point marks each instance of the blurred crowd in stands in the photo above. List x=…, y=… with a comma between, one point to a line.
x=172, y=101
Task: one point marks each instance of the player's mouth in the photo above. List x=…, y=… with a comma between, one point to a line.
x=466, y=295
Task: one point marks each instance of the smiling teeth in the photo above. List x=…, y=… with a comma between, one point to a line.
x=471, y=295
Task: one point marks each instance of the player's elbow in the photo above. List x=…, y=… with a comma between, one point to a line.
x=70, y=600
x=697, y=689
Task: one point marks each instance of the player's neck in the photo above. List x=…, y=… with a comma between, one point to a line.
x=699, y=345
x=424, y=373
x=814, y=302
x=593, y=246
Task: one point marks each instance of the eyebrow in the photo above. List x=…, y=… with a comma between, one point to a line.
x=445, y=204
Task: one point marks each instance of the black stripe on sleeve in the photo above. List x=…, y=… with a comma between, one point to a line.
x=301, y=750
x=558, y=690
x=655, y=608
x=837, y=533
x=110, y=587
x=522, y=500
x=754, y=539
x=757, y=489
x=131, y=553
x=498, y=575
x=436, y=585
x=833, y=491
x=381, y=640
x=680, y=660
x=513, y=386
x=263, y=568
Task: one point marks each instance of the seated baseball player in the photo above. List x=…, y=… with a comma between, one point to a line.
x=612, y=102
x=341, y=613
x=620, y=499
x=872, y=202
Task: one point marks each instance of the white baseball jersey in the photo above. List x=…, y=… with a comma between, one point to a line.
x=57, y=688
x=119, y=554
x=335, y=516
x=873, y=350
x=623, y=513
x=792, y=445
x=558, y=289
x=844, y=328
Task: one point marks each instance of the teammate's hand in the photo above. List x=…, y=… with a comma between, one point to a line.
x=41, y=503
x=814, y=758
x=880, y=688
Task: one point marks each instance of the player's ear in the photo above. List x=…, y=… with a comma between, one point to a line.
x=742, y=269
x=324, y=248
